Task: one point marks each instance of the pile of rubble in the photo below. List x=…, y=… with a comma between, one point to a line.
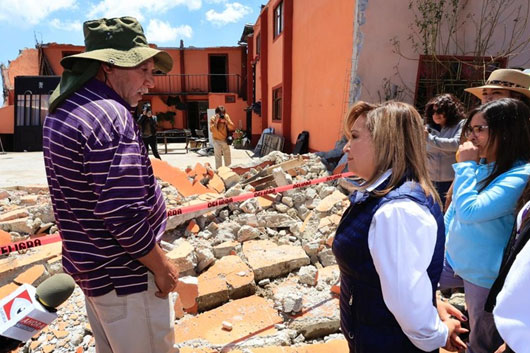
x=254, y=274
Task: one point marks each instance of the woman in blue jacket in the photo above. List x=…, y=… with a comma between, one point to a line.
x=481, y=216
x=390, y=242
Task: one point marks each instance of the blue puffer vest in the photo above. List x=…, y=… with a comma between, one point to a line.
x=366, y=322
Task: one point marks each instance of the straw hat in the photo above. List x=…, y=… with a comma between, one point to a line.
x=512, y=80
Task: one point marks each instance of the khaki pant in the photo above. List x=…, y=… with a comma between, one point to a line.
x=134, y=323
x=221, y=148
x=483, y=335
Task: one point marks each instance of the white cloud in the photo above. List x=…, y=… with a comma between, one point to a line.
x=233, y=12
x=31, y=12
x=161, y=32
x=138, y=8
x=216, y=1
x=66, y=25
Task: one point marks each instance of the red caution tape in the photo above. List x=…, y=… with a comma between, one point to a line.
x=249, y=195
x=30, y=243
x=27, y=244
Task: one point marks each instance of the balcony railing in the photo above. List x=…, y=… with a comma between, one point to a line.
x=196, y=84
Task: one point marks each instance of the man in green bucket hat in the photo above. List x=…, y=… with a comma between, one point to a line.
x=108, y=206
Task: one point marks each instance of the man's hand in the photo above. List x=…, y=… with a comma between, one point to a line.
x=454, y=343
x=166, y=280
x=166, y=274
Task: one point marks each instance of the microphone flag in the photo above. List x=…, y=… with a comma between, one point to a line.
x=21, y=315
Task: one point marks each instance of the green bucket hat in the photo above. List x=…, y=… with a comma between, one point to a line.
x=120, y=42
x=115, y=41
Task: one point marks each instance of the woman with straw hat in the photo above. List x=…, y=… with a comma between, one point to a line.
x=503, y=83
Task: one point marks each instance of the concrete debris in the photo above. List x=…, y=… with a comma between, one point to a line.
x=262, y=265
x=308, y=275
x=291, y=303
x=247, y=233
x=250, y=206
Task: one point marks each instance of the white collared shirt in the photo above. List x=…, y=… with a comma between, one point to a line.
x=401, y=239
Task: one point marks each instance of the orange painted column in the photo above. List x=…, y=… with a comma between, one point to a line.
x=183, y=83
x=264, y=22
x=244, y=70
x=287, y=73
x=250, y=78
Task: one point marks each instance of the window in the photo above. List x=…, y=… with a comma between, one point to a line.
x=277, y=104
x=452, y=74
x=31, y=109
x=278, y=19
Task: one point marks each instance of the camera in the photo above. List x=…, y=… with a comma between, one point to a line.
x=221, y=115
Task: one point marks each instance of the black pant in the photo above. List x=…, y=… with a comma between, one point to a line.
x=442, y=187
x=151, y=141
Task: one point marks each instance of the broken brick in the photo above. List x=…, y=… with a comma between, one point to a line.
x=188, y=290
x=8, y=216
x=192, y=227
x=228, y=278
x=270, y=260
x=251, y=316
x=31, y=275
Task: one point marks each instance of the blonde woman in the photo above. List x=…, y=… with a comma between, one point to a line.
x=390, y=242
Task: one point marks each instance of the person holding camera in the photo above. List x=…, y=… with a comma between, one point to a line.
x=147, y=123
x=220, y=124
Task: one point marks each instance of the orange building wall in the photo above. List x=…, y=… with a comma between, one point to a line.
x=235, y=110
x=27, y=63
x=275, y=64
x=159, y=106
x=54, y=54
x=175, y=55
x=257, y=126
x=7, y=123
x=322, y=53
x=196, y=61
x=257, y=121
x=255, y=58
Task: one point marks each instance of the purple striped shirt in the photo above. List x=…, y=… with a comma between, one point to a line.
x=107, y=203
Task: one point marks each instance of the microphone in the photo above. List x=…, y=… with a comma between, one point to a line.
x=27, y=310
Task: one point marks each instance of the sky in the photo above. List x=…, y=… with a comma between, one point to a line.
x=200, y=23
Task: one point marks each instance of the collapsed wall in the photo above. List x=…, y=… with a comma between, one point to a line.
x=254, y=273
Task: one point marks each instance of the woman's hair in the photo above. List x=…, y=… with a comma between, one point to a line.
x=219, y=109
x=508, y=122
x=398, y=136
x=357, y=110
x=449, y=106
x=521, y=97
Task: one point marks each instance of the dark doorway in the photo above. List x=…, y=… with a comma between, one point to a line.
x=218, y=73
x=249, y=122
x=197, y=115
